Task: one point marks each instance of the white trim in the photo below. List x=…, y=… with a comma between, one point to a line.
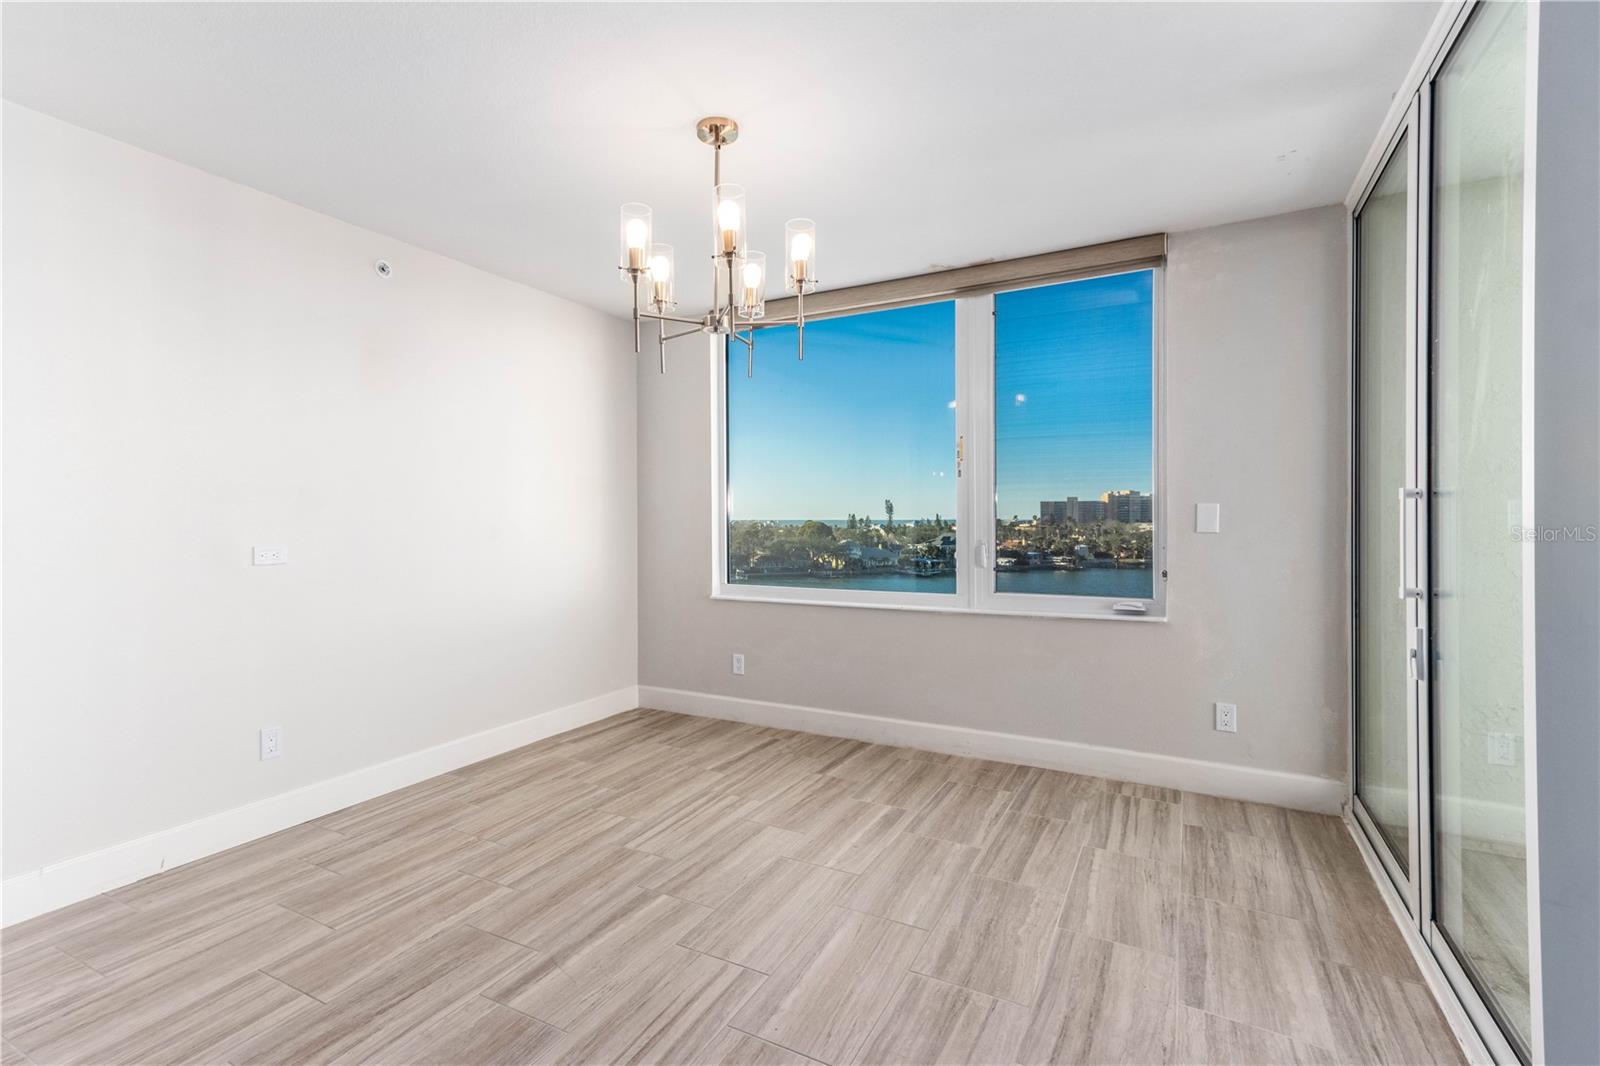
x=1466, y=1034
x=1299, y=791
x=38, y=891
x=1530, y=509
x=1444, y=22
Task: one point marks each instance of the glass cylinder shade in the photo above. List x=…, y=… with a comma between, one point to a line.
x=753, y=285
x=662, y=273
x=635, y=234
x=728, y=219
x=800, y=255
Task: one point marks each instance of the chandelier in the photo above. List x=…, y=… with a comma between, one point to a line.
x=738, y=275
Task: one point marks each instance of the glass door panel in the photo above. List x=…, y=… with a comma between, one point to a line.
x=1476, y=551
x=1383, y=469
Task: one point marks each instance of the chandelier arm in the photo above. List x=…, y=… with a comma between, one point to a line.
x=635, y=275
x=698, y=323
x=681, y=333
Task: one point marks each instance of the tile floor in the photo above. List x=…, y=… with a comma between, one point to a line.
x=661, y=888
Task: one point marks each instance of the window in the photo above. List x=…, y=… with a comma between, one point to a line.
x=841, y=468
x=993, y=452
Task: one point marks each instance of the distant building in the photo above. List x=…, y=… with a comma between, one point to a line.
x=1071, y=509
x=1127, y=505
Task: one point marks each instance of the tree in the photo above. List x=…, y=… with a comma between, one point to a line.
x=888, y=509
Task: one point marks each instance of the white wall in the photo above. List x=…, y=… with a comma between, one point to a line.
x=1256, y=420
x=193, y=367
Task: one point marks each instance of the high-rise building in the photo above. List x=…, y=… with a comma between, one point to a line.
x=1127, y=505
x=1071, y=509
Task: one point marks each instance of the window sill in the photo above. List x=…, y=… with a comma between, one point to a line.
x=932, y=608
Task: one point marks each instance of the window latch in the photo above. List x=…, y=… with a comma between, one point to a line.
x=961, y=452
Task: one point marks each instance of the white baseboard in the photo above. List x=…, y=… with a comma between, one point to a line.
x=27, y=895
x=1300, y=791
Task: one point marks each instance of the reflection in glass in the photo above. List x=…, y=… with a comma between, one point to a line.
x=1480, y=881
x=1382, y=680
x=841, y=468
x=1074, y=444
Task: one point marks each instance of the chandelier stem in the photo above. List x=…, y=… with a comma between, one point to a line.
x=661, y=343
x=635, y=275
x=800, y=322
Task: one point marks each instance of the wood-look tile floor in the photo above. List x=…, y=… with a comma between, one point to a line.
x=661, y=888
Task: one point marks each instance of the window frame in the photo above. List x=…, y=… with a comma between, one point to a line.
x=975, y=505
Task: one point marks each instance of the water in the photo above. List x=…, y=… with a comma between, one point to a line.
x=1126, y=584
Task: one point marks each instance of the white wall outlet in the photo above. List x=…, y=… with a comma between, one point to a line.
x=269, y=556
x=1227, y=717
x=1502, y=749
x=738, y=663
x=1208, y=518
x=272, y=742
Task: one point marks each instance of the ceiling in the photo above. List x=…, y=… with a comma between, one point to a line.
x=917, y=136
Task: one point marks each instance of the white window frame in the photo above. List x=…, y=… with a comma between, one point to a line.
x=975, y=507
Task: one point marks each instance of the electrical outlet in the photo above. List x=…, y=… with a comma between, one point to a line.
x=269, y=556
x=1502, y=749
x=271, y=742
x=1227, y=717
x=738, y=663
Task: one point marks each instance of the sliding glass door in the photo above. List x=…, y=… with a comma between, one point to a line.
x=1383, y=546
x=1475, y=511
x=1439, y=553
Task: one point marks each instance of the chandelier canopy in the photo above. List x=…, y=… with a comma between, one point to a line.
x=738, y=275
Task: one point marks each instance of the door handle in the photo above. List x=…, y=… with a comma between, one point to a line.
x=1407, y=590
x=980, y=555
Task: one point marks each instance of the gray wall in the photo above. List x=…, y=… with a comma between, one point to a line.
x=1256, y=420
x=1566, y=399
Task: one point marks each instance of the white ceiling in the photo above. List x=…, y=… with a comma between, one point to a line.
x=916, y=136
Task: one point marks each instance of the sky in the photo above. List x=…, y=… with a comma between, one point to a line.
x=870, y=413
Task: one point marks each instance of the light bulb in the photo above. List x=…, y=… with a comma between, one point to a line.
x=800, y=246
x=638, y=232
x=728, y=223
x=752, y=275
x=660, y=268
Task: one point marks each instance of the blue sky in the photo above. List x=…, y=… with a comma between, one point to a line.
x=870, y=413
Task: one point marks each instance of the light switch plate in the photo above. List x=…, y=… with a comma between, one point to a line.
x=270, y=556
x=1208, y=518
x=1502, y=749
